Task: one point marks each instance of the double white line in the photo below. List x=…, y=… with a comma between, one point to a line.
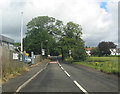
x=75, y=82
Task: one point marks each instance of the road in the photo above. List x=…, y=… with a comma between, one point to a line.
x=61, y=77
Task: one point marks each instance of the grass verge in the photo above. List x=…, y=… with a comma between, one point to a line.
x=11, y=70
x=104, y=64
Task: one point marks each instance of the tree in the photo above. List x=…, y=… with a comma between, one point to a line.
x=95, y=51
x=71, y=40
x=61, y=38
x=39, y=30
x=104, y=48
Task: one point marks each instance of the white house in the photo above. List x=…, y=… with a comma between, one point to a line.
x=115, y=51
x=88, y=51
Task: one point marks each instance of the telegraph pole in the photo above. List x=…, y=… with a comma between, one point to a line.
x=21, y=32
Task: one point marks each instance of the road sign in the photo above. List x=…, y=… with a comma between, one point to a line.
x=15, y=56
x=26, y=57
x=43, y=51
x=70, y=52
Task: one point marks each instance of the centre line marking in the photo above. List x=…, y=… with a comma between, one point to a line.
x=62, y=68
x=59, y=64
x=67, y=73
x=75, y=82
x=81, y=88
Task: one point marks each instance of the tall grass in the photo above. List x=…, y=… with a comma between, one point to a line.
x=104, y=64
x=10, y=67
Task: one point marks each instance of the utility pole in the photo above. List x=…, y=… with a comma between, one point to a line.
x=21, y=32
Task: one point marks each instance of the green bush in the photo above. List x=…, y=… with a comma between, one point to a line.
x=69, y=59
x=79, y=54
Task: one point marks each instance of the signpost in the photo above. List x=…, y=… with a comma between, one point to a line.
x=43, y=51
x=70, y=52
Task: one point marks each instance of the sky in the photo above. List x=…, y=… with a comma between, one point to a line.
x=98, y=18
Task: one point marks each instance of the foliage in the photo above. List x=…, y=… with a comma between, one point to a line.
x=61, y=38
x=10, y=67
x=17, y=44
x=104, y=48
x=69, y=59
x=39, y=30
x=104, y=64
x=71, y=40
x=95, y=51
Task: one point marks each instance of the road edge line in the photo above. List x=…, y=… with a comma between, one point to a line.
x=26, y=82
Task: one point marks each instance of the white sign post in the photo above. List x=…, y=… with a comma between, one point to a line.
x=70, y=53
x=43, y=51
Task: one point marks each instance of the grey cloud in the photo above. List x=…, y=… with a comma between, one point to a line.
x=12, y=19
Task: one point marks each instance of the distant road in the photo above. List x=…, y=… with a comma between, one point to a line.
x=61, y=77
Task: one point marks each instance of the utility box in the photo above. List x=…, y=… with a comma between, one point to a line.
x=21, y=57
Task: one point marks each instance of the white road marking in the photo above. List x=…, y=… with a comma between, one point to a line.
x=67, y=73
x=80, y=87
x=59, y=64
x=77, y=84
x=46, y=64
x=62, y=68
x=25, y=83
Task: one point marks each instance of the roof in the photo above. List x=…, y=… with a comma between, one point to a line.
x=6, y=39
x=88, y=49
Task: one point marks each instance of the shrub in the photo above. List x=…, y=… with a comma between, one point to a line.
x=69, y=59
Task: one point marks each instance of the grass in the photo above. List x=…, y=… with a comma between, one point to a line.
x=12, y=69
x=104, y=64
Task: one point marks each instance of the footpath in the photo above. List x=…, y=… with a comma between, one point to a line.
x=13, y=84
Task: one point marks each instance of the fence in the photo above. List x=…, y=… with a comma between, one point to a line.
x=10, y=66
x=37, y=58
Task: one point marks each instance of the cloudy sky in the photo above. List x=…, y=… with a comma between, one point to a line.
x=98, y=18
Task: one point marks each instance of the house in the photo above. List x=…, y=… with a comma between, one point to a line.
x=6, y=42
x=115, y=51
x=88, y=51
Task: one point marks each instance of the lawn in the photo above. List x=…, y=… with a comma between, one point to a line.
x=104, y=64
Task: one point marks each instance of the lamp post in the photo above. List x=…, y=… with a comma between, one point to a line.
x=21, y=32
x=21, y=55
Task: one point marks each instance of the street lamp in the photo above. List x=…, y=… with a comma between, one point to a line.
x=21, y=32
x=21, y=55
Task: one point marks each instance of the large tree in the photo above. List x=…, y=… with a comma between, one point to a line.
x=71, y=40
x=104, y=48
x=61, y=38
x=39, y=30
